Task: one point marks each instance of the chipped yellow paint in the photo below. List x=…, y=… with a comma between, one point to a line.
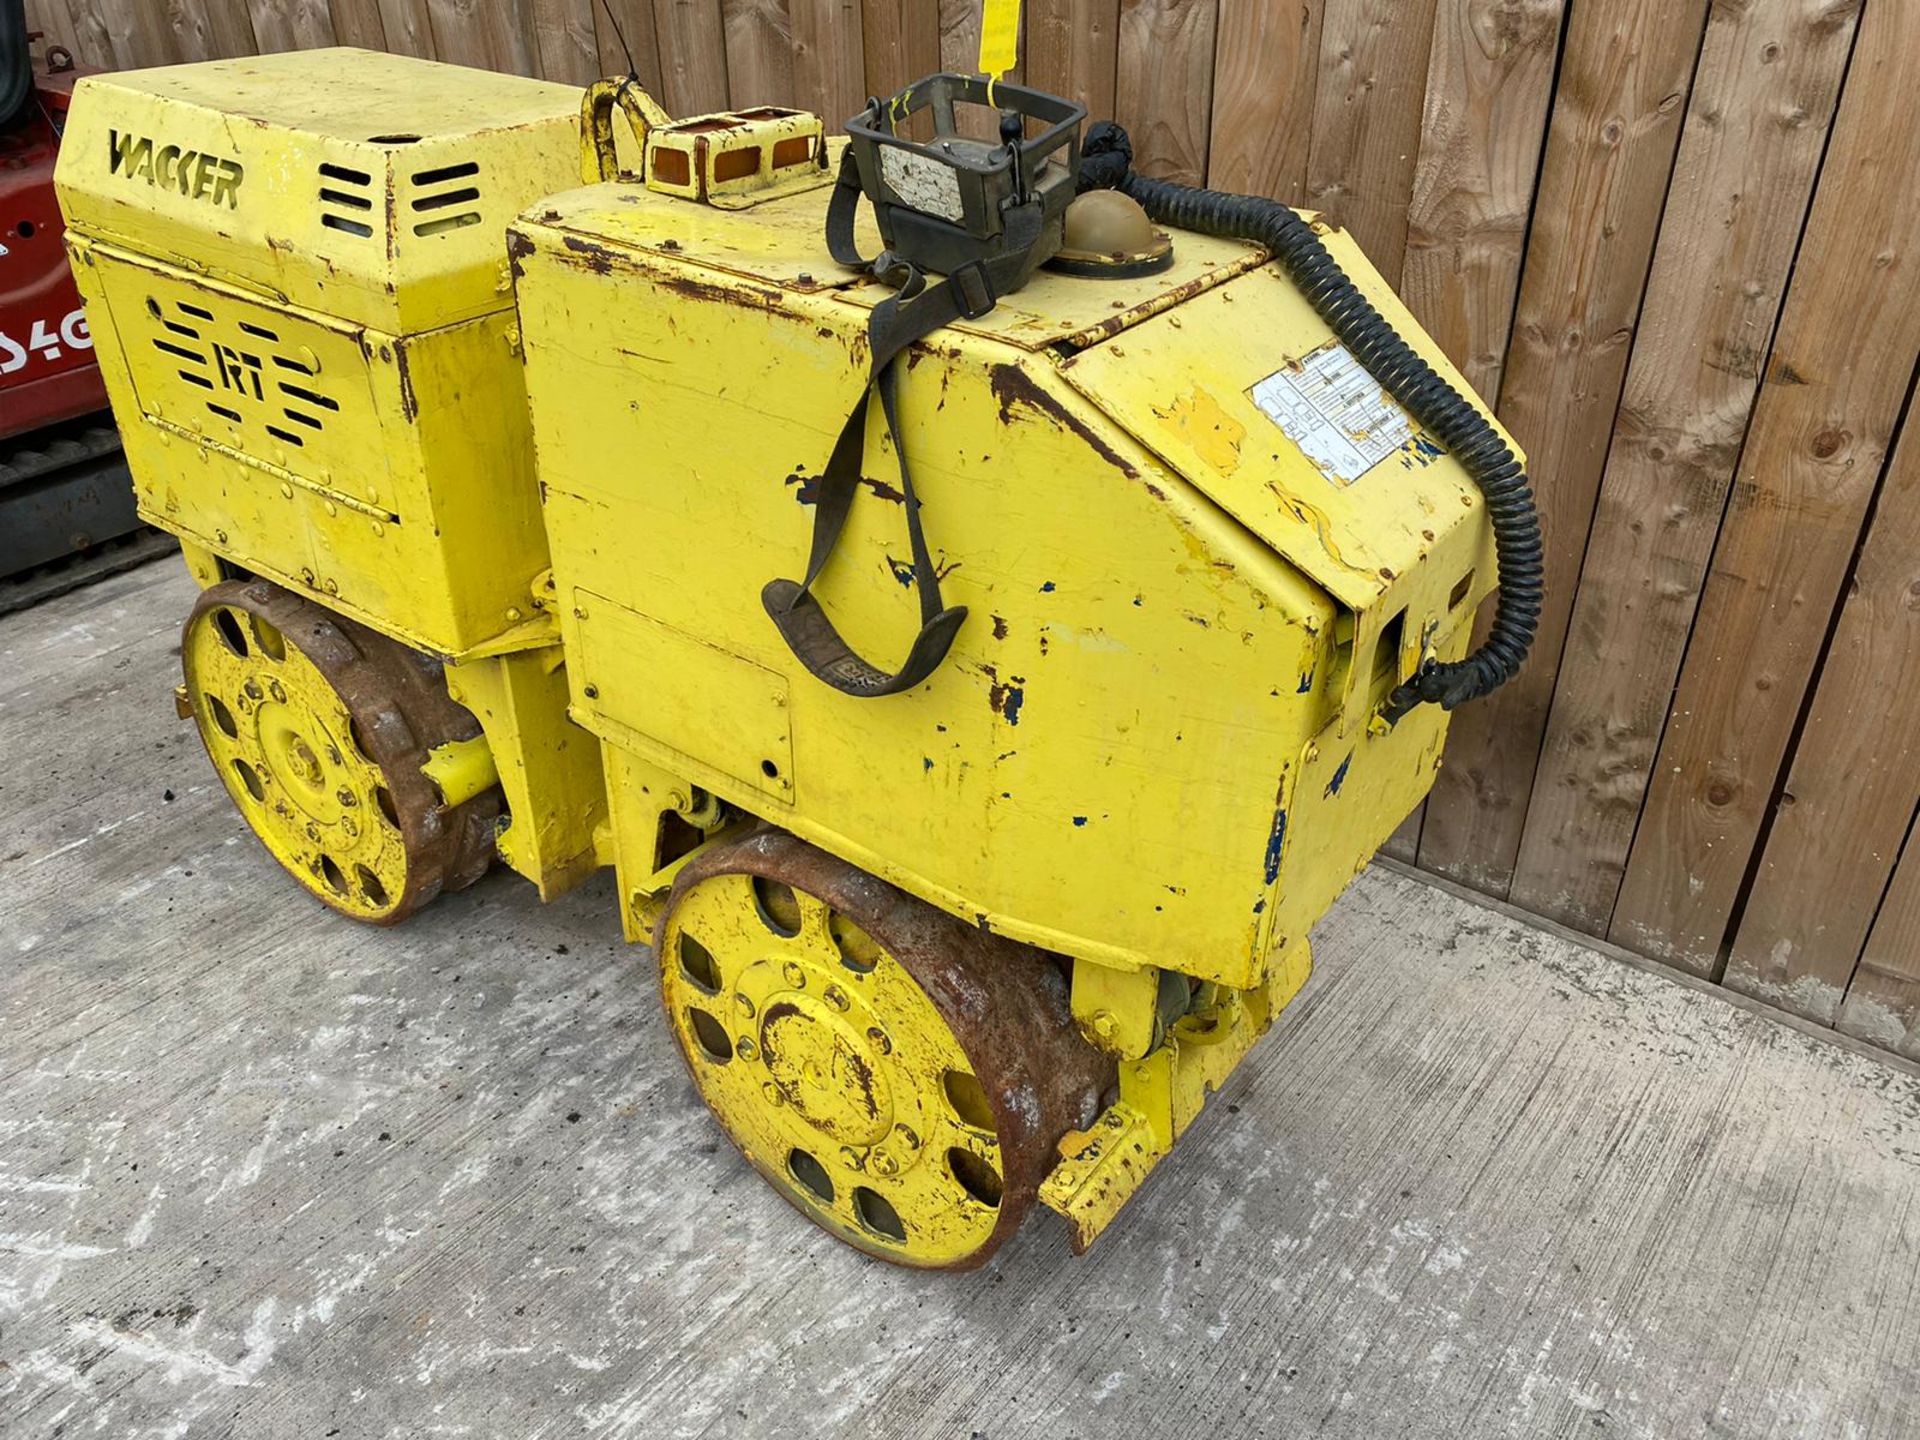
x=1202, y=423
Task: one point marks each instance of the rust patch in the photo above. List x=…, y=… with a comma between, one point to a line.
x=691, y=288
x=599, y=259
x=519, y=247
x=409, y=402
x=1013, y=386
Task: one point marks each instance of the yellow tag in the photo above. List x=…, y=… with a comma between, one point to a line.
x=999, y=37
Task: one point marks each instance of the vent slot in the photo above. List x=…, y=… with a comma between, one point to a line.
x=312, y=397
x=446, y=198
x=346, y=204
x=457, y=193
x=447, y=172
x=451, y=222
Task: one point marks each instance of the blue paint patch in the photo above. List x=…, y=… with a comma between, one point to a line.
x=926, y=763
x=1047, y=588
x=1079, y=821
x=1422, y=449
x=1016, y=697
x=1276, y=842
x=902, y=571
x=1306, y=683
x=1259, y=906
x=1339, y=778
x=1139, y=600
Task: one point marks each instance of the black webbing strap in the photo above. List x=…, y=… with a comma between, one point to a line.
x=915, y=311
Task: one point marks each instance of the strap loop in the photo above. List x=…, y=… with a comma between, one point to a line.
x=913, y=312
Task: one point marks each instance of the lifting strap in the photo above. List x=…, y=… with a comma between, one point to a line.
x=916, y=310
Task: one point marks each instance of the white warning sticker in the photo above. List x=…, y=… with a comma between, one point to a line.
x=1335, y=412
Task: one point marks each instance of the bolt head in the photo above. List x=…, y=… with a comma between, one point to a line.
x=836, y=997
x=796, y=977
x=745, y=1048
x=743, y=1005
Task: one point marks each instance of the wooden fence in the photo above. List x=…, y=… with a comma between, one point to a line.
x=1670, y=238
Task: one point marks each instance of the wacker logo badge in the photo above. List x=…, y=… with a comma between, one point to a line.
x=193, y=173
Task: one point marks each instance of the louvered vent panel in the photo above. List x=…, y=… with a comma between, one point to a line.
x=346, y=201
x=446, y=198
x=274, y=387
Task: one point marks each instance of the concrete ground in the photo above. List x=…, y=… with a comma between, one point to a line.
x=267, y=1173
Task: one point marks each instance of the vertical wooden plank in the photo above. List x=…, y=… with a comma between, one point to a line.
x=1404, y=843
x=1489, y=88
x=408, y=28
x=901, y=43
x=693, y=56
x=1265, y=78
x=290, y=24
x=52, y=22
x=487, y=34
x=564, y=46
x=1883, y=1002
x=829, y=59
x=960, y=52
x=1624, y=75
x=1164, y=92
x=1855, y=779
x=631, y=20
x=359, y=23
x=1763, y=102
x=1833, y=391
x=1366, y=121
x=104, y=34
x=1073, y=49
x=134, y=33
x=759, y=52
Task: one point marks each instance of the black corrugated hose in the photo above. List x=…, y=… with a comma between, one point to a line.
x=1107, y=163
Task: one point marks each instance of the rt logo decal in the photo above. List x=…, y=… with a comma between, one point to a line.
x=194, y=173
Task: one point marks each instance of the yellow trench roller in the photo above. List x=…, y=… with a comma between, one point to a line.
x=934, y=943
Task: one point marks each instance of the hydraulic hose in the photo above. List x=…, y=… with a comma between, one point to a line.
x=1446, y=414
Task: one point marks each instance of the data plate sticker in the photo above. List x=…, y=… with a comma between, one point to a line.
x=1335, y=412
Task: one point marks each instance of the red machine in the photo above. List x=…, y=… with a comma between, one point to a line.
x=64, y=489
